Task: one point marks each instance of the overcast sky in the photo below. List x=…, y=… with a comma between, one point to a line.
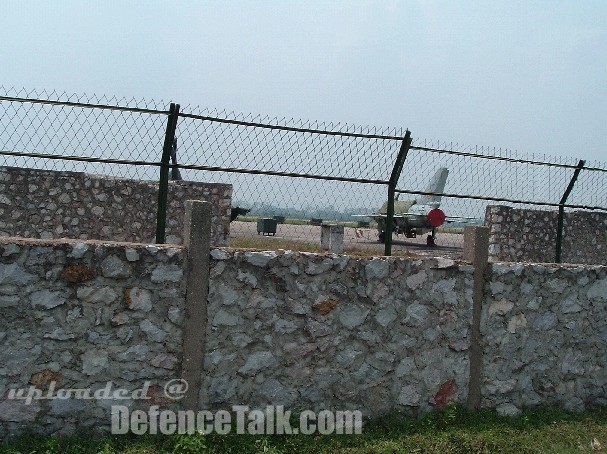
x=526, y=75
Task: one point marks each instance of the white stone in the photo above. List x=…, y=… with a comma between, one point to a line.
x=377, y=269
x=526, y=288
x=501, y=307
x=113, y=267
x=598, y=290
x=496, y=287
x=10, y=249
x=152, y=332
x=352, y=316
x=14, y=274
x=164, y=361
x=94, y=361
x=247, y=278
x=104, y=295
x=409, y=396
x=224, y=318
x=443, y=263
x=78, y=250
x=173, y=239
x=319, y=268
x=131, y=254
x=141, y=299
x=570, y=306
x=406, y=366
x=256, y=362
x=175, y=315
x=417, y=314
x=508, y=410
x=167, y=273
x=19, y=411
x=386, y=316
x=59, y=334
x=47, y=299
x=517, y=322
x=137, y=352
x=416, y=280
x=260, y=259
x=545, y=321
x=219, y=254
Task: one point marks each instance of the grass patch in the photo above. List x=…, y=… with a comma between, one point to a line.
x=454, y=430
x=294, y=221
x=272, y=244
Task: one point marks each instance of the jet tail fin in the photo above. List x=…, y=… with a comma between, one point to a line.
x=436, y=185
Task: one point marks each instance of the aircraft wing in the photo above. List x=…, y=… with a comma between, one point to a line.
x=383, y=216
x=463, y=220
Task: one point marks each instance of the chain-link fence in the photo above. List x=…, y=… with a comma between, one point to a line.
x=292, y=177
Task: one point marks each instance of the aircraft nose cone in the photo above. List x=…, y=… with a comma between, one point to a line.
x=435, y=217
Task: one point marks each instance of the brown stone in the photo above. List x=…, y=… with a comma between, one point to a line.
x=446, y=393
x=326, y=306
x=44, y=377
x=76, y=273
x=127, y=296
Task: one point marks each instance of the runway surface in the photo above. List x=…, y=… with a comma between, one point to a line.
x=447, y=244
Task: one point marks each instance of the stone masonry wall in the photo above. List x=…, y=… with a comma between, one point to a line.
x=82, y=314
x=317, y=331
x=544, y=337
x=48, y=204
x=308, y=331
x=518, y=235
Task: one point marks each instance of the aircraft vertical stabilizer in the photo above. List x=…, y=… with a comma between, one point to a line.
x=437, y=184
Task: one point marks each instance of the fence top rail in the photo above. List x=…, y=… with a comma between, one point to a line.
x=83, y=105
x=289, y=128
x=267, y=125
x=503, y=158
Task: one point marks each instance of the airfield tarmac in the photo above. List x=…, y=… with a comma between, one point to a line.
x=448, y=245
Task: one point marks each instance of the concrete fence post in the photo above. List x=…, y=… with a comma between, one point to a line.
x=197, y=240
x=332, y=238
x=337, y=239
x=476, y=250
x=325, y=236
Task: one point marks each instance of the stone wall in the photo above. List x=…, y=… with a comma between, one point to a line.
x=320, y=331
x=308, y=331
x=48, y=204
x=80, y=315
x=544, y=336
x=521, y=235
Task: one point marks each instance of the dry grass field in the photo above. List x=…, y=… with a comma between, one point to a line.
x=356, y=241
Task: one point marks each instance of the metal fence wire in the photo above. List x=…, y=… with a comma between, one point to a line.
x=298, y=174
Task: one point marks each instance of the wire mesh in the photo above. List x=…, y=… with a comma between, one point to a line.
x=299, y=173
x=98, y=137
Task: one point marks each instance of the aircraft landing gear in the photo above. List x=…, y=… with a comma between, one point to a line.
x=430, y=239
x=382, y=236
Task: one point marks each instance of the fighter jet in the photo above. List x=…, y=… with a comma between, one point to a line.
x=420, y=215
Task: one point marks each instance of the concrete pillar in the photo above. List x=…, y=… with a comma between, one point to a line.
x=332, y=238
x=197, y=240
x=337, y=239
x=325, y=236
x=476, y=250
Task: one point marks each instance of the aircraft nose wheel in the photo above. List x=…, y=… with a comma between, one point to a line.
x=430, y=239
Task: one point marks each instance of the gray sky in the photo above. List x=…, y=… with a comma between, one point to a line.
x=526, y=75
